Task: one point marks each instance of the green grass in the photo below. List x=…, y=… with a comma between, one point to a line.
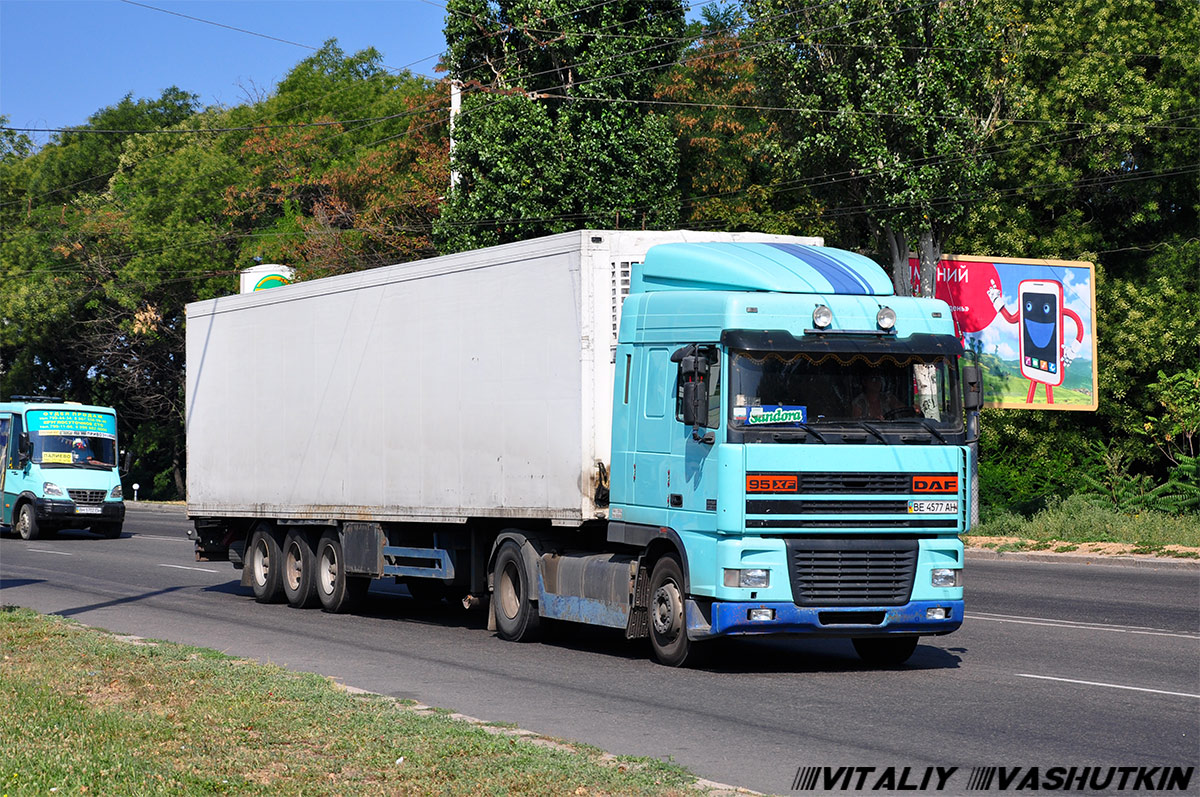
x=1077, y=520
x=84, y=712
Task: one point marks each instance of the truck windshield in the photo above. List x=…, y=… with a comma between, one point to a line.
x=775, y=390
x=73, y=438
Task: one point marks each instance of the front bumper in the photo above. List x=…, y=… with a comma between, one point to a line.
x=706, y=620
x=58, y=512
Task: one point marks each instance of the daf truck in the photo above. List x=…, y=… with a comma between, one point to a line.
x=683, y=435
x=59, y=468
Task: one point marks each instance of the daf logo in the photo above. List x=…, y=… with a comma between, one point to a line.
x=935, y=484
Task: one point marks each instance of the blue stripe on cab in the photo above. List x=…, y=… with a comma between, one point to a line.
x=841, y=278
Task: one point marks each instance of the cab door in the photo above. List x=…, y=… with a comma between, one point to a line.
x=6, y=433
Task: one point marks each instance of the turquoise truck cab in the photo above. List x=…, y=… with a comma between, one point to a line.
x=790, y=434
x=59, y=468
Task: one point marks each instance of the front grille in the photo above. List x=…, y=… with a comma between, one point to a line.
x=758, y=506
x=86, y=496
x=856, y=483
x=841, y=571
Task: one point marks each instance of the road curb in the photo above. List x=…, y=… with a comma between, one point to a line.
x=1095, y=560
x=150, y=506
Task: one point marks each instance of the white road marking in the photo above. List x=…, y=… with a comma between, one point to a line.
x=1107, y=686
x=180, y=538
x=197, y=569
x=47, y=550
x=1079, y=625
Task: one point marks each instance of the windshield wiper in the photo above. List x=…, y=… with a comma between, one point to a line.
x=783, y=438
x=928, y=424
x=873, y=431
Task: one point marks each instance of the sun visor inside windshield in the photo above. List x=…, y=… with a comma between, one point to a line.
x=874, y=345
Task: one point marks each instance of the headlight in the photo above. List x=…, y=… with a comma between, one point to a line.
x=52, y=490
x=886, y=318
x=947, y=577
x=756, y=578
x=822, y=317
x=117, y=492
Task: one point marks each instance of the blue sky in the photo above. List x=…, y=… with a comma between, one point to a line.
x=62, y=60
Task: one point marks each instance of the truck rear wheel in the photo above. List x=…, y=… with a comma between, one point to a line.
x=299, y=570
x=517, y=617
x=337, y=591
x=887, y=651
x=668, y=623
x=266, y=565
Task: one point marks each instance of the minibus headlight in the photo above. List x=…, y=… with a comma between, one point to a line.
x=52, y=490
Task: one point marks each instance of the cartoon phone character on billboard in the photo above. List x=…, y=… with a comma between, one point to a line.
x=1040, y=314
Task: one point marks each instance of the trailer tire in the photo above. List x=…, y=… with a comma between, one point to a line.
x=265, y=560
x=27, y=524
x=337, y=591
x=888, y=651
x=517, y=618
x=299, y=570
x=668, y=618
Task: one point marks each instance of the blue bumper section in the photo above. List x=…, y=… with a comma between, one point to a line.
x=725, y=619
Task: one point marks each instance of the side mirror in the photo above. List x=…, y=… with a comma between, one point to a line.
x=695, y=403
x=126, y=462
x=24, y=448
x=972, y=387
x=693, y=378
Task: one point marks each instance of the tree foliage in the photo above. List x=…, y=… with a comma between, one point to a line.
x=885, y=111
x=550, y=137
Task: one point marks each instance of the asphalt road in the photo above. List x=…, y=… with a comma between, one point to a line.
x=1056, y=665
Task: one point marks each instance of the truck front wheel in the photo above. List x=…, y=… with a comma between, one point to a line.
x=337, y=591
x=517, y=617
x=886, y=651
x=299, y=570
x=668, y=619
x=27, y=524
x=266, y=566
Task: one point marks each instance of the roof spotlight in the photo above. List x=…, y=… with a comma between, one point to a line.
x=822, y=317
x=886, y=318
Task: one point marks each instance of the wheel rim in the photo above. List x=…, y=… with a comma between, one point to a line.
x=293, y=566
x=668, y=610
x=327, y=571
x=509, y=591
x=262, y=562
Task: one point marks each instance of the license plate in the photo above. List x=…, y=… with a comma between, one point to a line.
x=88, y=510
x=932, y=507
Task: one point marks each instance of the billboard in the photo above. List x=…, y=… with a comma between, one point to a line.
x=1032, y=323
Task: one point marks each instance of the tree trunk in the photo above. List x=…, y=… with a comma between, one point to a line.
x=929, y=253
x=901, y=273
x=177, y=472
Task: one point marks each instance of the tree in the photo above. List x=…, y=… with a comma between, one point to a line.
x=886, y=112
x=550, y=137
x=727, y=175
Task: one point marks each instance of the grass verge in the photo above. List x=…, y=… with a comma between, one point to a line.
x=85, y=712
x=1078, y=525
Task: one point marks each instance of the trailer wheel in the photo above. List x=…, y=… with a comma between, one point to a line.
x=337, y=591
x=27, y=525
x=299, y=570
x=266, y=565
x=668, y=624
x=517, y=617
x=885, y=651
